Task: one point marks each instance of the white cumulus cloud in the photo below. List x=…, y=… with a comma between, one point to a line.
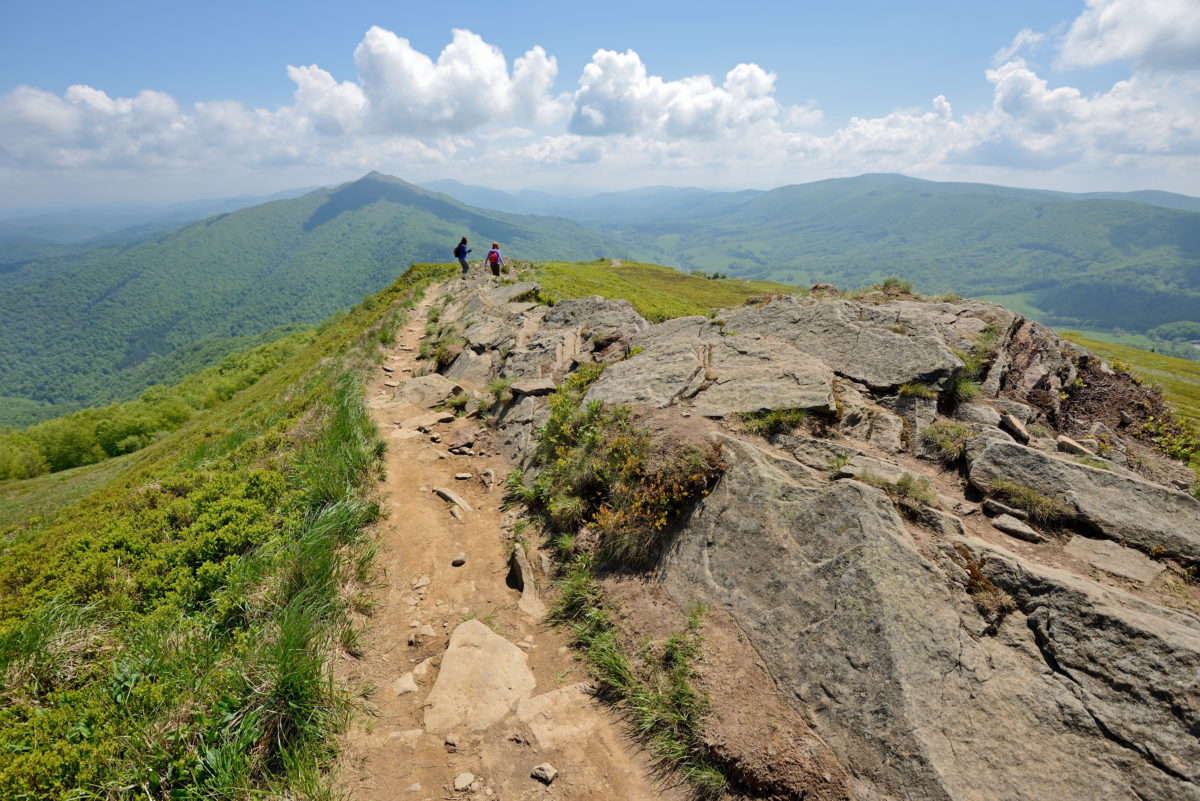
x=468, y=87
x=1162, y=34
x=616, y=96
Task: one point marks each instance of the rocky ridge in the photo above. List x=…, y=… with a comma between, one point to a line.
x=935, y=652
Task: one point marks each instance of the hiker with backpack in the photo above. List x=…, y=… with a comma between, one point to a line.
x=460, y=253
x=495, y=260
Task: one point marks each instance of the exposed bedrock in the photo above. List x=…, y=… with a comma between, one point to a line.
x=885, y=655
x=1120, y=507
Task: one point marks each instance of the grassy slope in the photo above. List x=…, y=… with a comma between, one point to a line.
x=657, y=293
x=1178, y=378
x=171, y=631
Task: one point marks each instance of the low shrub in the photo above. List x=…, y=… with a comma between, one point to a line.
x=946, y=440
x=770, y=422
x=1041, y=508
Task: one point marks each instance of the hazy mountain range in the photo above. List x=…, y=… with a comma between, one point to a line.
x=90, y=322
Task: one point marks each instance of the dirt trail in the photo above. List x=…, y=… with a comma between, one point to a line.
x=422, y=599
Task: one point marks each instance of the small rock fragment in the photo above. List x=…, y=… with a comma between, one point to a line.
x=1068, y=445
x=456, y=513
x=463, y=476
x=1014, y=527
x=451, y=741
x=544, y=773
x=423, y=581
x=405, y=684
x=459, y=560
x=993, y=508
x=452, y=497
x=1014, y=427
x=463, y=782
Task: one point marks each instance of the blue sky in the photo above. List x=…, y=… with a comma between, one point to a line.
x=158, y=101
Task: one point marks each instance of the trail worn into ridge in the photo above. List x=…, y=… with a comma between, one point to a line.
x=464, y=682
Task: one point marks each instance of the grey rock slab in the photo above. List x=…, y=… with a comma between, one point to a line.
x=881, y=649
x=598, y=319
x=1117, y=507
x=533, y=386
x=1016, y=528
x=463, y=782
x=490, y=333
x=1019, y=410
x=867, y=465
x=1133, y=666
x=563, y=717
x=977, y=413
x=547, y=353
x=852, y=345
x=720, y=376
x=652, y=378
x=426, y=391
x=752, y=373
x=481, y=680
x=1115, y=559
x=473, y=368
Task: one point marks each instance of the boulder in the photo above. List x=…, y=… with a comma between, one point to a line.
x=886, y=654
x=426, y=391
x=532, y=386
x=720, y=376
x=1016, y=528
x=476, y=369
x=977, y=413
x=482, y=679
x=1119, y=507
x=1014, y=427
x=859, y=347
x=562, y=717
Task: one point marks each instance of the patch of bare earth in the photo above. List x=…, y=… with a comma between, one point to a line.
x=517, y=697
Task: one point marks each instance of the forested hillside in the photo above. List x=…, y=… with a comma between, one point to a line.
x=87, y=328
x=1093, y=263
x=1125, y=260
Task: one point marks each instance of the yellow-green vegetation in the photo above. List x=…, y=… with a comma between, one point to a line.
x=993, y=603
x=597, y=468
x=947, y=440
x=773, y=421
x=171, y=634
x=916, y=390
x=909, y=492
x=93, y=435
x=1178, y=378
x=36, y=498
x=1042, y=508
x=599, y=473
x=657, y=293
x=654, y=686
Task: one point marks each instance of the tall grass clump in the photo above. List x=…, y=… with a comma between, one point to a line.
x=1041, y=508
x=654, y=687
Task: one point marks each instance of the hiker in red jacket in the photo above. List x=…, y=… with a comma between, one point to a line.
x=495, y=260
